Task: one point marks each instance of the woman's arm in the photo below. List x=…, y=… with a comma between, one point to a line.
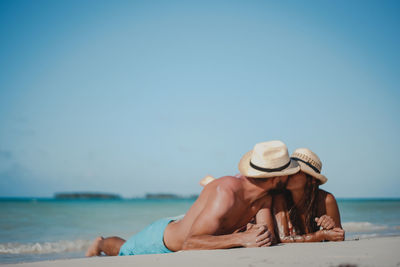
x=332, y=209
x=336, y=234
x=313, y=237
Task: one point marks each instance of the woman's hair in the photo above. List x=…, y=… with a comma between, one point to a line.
x=310, y=202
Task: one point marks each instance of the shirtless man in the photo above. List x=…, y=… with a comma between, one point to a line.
x=225, y=206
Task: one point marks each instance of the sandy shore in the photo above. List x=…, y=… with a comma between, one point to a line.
x=368, y=252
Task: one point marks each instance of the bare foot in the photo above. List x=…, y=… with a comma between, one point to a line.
x=94, y=249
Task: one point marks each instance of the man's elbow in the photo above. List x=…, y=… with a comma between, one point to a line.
x=188, y=244
x=185, y=245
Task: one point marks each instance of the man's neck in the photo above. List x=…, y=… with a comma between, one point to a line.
x=253, y=191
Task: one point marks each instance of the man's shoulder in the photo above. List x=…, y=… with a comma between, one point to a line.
x=229, y=183
x=223, y=193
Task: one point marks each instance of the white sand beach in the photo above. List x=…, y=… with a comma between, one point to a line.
x=383, y=251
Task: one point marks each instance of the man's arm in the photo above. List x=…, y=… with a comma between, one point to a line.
x=205, y=232
x=264, y=217
x=255, y=237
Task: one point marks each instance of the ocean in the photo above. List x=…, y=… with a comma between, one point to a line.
x=46, y=229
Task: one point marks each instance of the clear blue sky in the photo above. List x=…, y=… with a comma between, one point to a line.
x=133, y=97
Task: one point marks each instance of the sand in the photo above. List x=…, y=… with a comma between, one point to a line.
x=384, y=251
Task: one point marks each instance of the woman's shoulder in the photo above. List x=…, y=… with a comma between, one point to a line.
x=326, y=197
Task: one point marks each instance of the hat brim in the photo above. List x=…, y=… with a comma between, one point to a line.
x=308, y=170
x=248, y=171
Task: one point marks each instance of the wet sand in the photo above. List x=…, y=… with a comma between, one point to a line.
x=382, y=251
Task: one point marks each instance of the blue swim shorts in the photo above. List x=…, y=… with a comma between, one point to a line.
x=148, y=241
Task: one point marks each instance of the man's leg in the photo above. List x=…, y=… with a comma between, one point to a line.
x=110, y=246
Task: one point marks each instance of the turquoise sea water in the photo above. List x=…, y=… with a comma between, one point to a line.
x=42, y=229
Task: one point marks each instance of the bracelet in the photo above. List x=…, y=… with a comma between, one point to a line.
x=324, y=235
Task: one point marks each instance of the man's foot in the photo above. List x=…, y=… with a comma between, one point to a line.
x=94, y=249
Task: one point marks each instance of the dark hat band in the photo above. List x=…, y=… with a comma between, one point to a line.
x=269, y=170
x=308, y=164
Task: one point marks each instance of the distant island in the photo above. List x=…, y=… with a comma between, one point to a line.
x=86, y=195
x=168, y=196
x=109, y=196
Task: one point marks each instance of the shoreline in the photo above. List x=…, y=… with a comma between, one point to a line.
x=378, y=251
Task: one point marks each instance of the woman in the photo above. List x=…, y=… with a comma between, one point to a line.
x=305, y=213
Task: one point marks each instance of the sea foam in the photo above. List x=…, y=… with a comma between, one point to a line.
x=45, y=247
x=363, y=227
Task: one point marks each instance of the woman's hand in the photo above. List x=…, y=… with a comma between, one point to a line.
x=336, y=234
x=326, y=222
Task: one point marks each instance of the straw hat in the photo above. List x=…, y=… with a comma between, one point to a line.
x=309, y=163
x=268, y=159
x=206, y=180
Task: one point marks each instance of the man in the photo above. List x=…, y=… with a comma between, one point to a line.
x=224, y=206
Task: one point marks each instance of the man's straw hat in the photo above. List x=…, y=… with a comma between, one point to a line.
x=268, y=159
x=309, y=163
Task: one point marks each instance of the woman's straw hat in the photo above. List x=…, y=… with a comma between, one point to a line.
x=309, y=163
x=268, y=159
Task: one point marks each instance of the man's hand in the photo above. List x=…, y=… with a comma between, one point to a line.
x=256, y=235
x=326, y=222
x=336, y=234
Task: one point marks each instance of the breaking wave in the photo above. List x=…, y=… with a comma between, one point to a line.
x=363, y=227
x=45, y=247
